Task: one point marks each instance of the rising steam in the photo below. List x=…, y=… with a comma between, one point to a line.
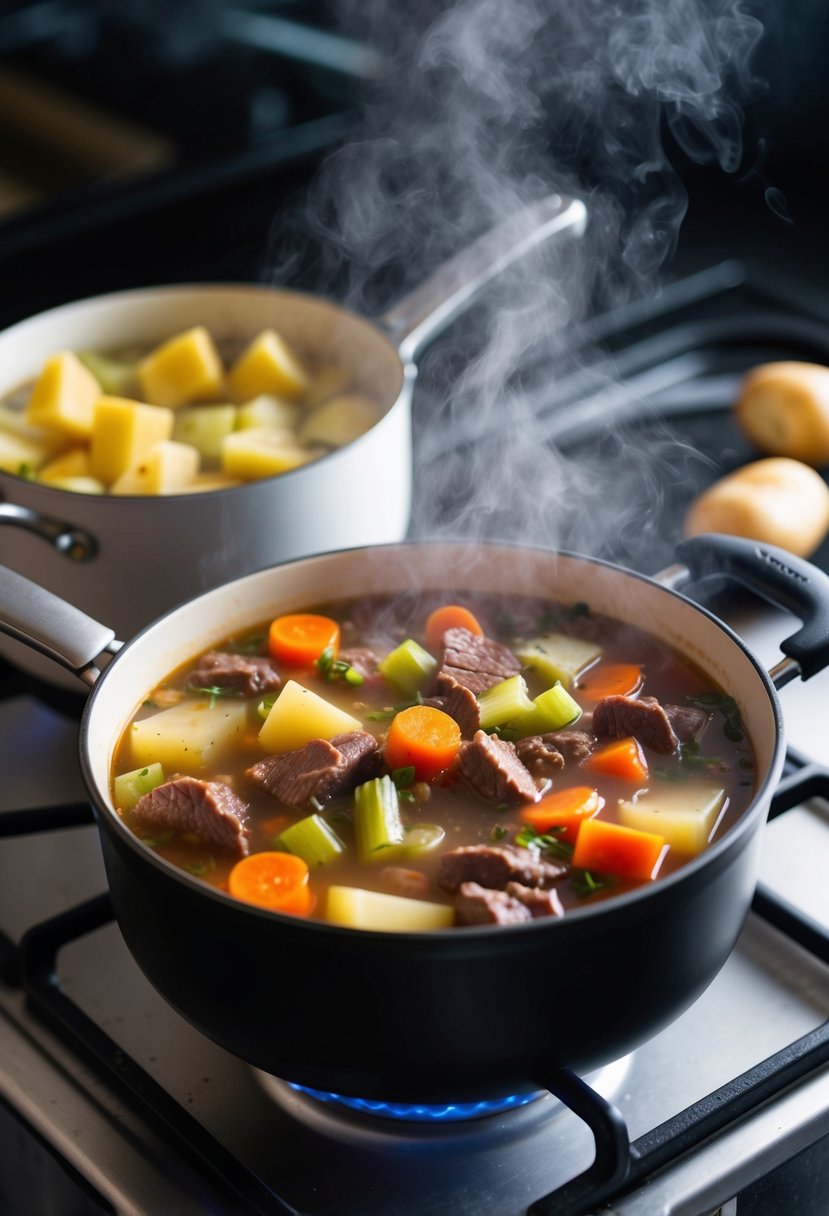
x=483, y=107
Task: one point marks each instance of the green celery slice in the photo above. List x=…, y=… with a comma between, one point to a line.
x=377, y=823
x=408, y=666
x=504, y=701
x=129, y=787
x=551, y=710
x=312, y=839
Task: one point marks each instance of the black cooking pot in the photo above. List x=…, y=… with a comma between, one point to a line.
x=457, y=1014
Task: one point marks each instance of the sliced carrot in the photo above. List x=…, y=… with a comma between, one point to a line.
x=610, y=848
x=450, y=616
x=564, y=809
x=610, y=680
x=300, y=638
x=422, y=738
x=622, y=758
x=278, y=881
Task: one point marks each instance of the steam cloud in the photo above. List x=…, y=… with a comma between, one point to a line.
x=483, y=107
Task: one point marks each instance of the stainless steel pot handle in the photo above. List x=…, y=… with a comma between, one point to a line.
x=73, y=542
x=47, y=623
x=784, y=580
x=432, y=306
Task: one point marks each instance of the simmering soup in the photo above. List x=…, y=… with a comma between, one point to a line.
x=428, y=762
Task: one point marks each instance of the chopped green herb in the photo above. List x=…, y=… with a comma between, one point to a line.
x=403, y=777
x=199, y=868
x=585, y=882
x=251, y=645
x=24, y=469
x=266, y=704
x=498, y=832
x=388, y=711
x=580, y=608
x=215, y=691
x=548, y=842
x=342, y=817
x=152, y=842
x=336, y=669
x=727, y=706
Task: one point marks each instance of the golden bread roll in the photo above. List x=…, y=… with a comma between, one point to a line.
x=778, y=500
x=783, y=408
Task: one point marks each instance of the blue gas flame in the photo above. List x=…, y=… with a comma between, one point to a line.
x=419, y=1112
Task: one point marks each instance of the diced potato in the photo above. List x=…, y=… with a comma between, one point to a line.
x=204, y=427
x=270, y=412
x=13, y=422
x=185, y=368
x=685, y=814
x=78, y=485
x=63, y=396
x=118, y=377
x=188, y=737
x=299, y=715
x=165, y=468
x=339, y=421
x=330, y=381
x=72, y=463
x=122, y=432
x=129, y=787
x=258, y=452
x=21, y=456
x=360, y=909
x=558, y=657
x=267, y=366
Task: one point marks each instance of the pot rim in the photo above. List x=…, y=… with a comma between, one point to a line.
x=448, y=939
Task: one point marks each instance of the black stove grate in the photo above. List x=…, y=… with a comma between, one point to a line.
x=619, y=1162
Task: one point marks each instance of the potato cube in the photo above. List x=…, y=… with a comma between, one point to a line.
x=72, y=463
x=260, y=452
x=267, y=366
x=205, y=427
x=116, y=376
x=20, y=455
x=361, y=909
x=78, y=485
x=269, y=412
x=122, y=432
x=686, y=814
x=339, y=421
x=186, y=368
x=209, y=481
x=165, y=468
x=63, y=396
x=299, y=715
x=189, y=736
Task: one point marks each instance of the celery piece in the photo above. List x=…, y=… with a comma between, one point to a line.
x=204, y=427
x=313, y=840
x=129, y=787
x=551, y=710
x=504, y=701
x=408, y=666
x=377, y=823
x=115, y=376
x=557, y=657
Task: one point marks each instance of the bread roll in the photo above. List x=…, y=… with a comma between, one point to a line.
x=783, y=408
x=780, y=501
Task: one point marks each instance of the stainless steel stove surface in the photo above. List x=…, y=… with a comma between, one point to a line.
x=727, y=1109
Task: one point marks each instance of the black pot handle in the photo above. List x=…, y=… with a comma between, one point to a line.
x=778, y=576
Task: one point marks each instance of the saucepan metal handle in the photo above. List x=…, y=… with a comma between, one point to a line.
x=432, y=306
x=45, y=622
x=784, y=580
x=68, y=539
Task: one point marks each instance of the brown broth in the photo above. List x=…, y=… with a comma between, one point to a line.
x=380, y=624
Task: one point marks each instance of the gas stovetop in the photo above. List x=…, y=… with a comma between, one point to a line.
x=143, y=1114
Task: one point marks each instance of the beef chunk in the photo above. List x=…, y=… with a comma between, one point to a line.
x=494, y=866
x=542, y=755
x=246, y=674
x=688, y=721
x=539, y=756
x=413, y=884
x=318, y=770
x=476, y=905
x=538, y=901
x=208, y=809
x=642, y=717
x=458, y=702
x=492, y=768
x=475, y=662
